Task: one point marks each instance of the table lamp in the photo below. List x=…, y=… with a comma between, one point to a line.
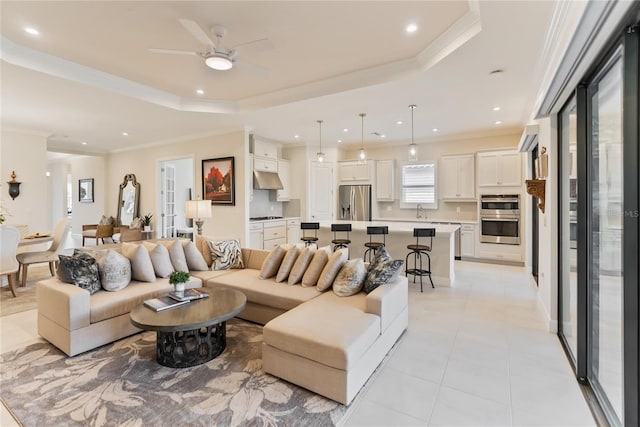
x=198, y=209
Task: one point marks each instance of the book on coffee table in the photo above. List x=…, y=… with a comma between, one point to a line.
x=163, y=303
x=188, y=295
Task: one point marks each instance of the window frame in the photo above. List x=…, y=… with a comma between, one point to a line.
x=426, y=205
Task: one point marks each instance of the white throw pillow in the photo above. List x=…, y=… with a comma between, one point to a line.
x=320, y=259
x=114, y=269
x=176, y=253
x=350, y=278
x=141, y=265
x=160, y=259
x=330, y=271
x=195, y=260
x=225, y=254
x=302, y=263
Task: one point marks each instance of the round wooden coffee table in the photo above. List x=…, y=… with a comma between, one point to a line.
x=193, y=333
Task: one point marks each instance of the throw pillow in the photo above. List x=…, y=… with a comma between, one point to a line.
x=80, y=270
x=330, y=271
x=176, y=253
x=320, y=259
x=195, y=260
x=141, y=265
x=272, y=262
x=160, y=259
x=136, y=223
x=287, y=263
x=350, y=278
x=106, y=220
x=302, y=263
x=225, y=254
x=383, y=269
x=115, y=271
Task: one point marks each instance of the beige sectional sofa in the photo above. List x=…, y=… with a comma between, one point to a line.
x=325, y=343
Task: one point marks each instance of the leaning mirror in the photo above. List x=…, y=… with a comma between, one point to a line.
x=128, y=200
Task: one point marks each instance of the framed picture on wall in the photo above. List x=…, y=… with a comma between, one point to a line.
x=219, y=181
x=85, y=190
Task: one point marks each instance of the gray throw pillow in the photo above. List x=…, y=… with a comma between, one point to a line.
x=350, y=278
x=115, y=271
x=80, y=270
x=383, y=269
x=195, y=260
x=226, y=254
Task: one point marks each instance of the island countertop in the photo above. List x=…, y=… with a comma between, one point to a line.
x=398, y=226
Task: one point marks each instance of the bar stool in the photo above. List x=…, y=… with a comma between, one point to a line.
x=417, y=251
x=340, y=243
x=372, y=246
x=309, y=240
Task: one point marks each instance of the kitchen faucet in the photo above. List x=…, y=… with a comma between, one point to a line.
x=420, y=211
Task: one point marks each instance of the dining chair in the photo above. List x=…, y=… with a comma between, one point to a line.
x=9, y=266
x=51, y=255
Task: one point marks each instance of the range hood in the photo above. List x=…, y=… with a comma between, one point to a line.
x=266, y=181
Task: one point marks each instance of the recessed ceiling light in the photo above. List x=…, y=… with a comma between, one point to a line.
x=498, y=122
x=339, y=140
x=411, y=28
x=399, y=122
x=496, y=108
x=200, y=92
x=32, y=31
x=345, y=130
x=296, y=136
x=435, y=129
x=125, y=134
x=83, y=143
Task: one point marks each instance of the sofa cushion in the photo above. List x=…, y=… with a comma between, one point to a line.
x=350, y=278
x=225, y=254
x=195, y=260
x=330, y=271
x=287, y=263
x=272, y=262
x=316, y=266
x=383, y=269
x=301, y=265
x=176, y=253
x=141, y=265
x=80, y=270
x=208, y=274
x=339, y=340
x=264, y=292
x=160, y=259
x=114, y=269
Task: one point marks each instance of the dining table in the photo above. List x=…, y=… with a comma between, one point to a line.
x=34, y=239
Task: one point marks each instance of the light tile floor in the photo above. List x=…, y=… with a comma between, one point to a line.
x=475, y=354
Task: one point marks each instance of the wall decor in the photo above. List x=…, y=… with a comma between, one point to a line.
x=85, y=190
x=219, y=181
x=14, y=186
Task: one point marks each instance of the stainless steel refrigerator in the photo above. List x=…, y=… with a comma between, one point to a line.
x=354, y=202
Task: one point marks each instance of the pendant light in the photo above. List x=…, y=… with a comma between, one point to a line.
x=320, y=154
x=413, y=148
x=363, y=153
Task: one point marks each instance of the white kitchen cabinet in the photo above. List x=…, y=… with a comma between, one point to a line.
x=457, y=177
x=284, y=172
x=385, y=180
x=256, y=235
x=293, y=230
x=500, y=169
x=265, y=165
x=275, y=233
x=468, y=240
x=321, y=203
x=265, y=149
x=355, y=171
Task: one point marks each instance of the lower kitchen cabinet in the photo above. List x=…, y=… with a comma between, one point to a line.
x=275, y=233
x=256, y=235
x=293, y=230
x=468, y=240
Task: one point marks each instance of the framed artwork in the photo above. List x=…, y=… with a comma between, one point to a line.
x=85, y=190
x=219, y=181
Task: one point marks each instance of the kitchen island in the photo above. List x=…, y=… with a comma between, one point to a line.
x=400, y=235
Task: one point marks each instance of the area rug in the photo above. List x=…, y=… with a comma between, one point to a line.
x=121, y=384
x=25, y=295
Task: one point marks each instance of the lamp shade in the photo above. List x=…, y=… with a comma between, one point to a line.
x=198, y=209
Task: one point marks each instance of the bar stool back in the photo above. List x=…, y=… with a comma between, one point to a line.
x=340, y=243
x=372, y=246
x=418, y=250
x=308, y=240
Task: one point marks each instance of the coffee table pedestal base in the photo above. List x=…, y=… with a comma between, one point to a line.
x=182, y=349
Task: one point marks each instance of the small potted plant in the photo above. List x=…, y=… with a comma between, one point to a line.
x=146, y=220
x=178, y=279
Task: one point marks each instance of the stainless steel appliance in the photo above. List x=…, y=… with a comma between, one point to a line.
x=500, y=218
x=354, y=202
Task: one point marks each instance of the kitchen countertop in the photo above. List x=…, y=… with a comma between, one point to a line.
x=405, y=226
x=274, y=219
x=427, y=220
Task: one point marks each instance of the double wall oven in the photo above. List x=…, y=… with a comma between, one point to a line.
x=500, y=218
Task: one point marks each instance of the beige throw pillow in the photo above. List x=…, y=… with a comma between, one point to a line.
x=330, y=271
x=272, y=262
x=288, y=262
x=320, y=259
x=302, y=263
x=176, y=253
x=160, y=259
x=350, y=278
x=141, y=265
x=195, y=259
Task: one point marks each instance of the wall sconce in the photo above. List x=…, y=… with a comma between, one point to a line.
x=536, y=187
x=14, y=186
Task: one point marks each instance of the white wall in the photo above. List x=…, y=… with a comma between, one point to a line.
x=57, y=181
x=25, y=153
x=83, y=167
x=298, y=162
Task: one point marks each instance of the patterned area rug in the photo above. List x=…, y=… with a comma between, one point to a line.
x=121, y=384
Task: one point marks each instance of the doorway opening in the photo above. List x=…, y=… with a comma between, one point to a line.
x=176, y=179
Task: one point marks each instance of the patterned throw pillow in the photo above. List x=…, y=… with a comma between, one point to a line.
x=383, y=269
x=81, y=270
x=106, y=220
x=226, y=254
x=115, y=271
x=136, y=223
x=350, y=279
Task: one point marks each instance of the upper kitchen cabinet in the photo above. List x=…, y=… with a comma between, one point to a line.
x=355, y=171
x=457, y=177
x=264, y=149
x=385, y=180
x=264, y=164
x=500, y=169
x=284, y=172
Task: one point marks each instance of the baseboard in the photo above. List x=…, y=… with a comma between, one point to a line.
x=552, y=325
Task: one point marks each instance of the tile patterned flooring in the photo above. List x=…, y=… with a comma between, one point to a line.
x=475, y=354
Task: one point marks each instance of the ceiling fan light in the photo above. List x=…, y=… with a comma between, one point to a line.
x=218, y=62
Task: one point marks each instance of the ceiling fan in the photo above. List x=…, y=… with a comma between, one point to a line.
x=217, y=56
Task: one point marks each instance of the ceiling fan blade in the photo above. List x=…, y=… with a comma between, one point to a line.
x=254, y=68
x=174, y=51
x=255, y=45
x=197, y=32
